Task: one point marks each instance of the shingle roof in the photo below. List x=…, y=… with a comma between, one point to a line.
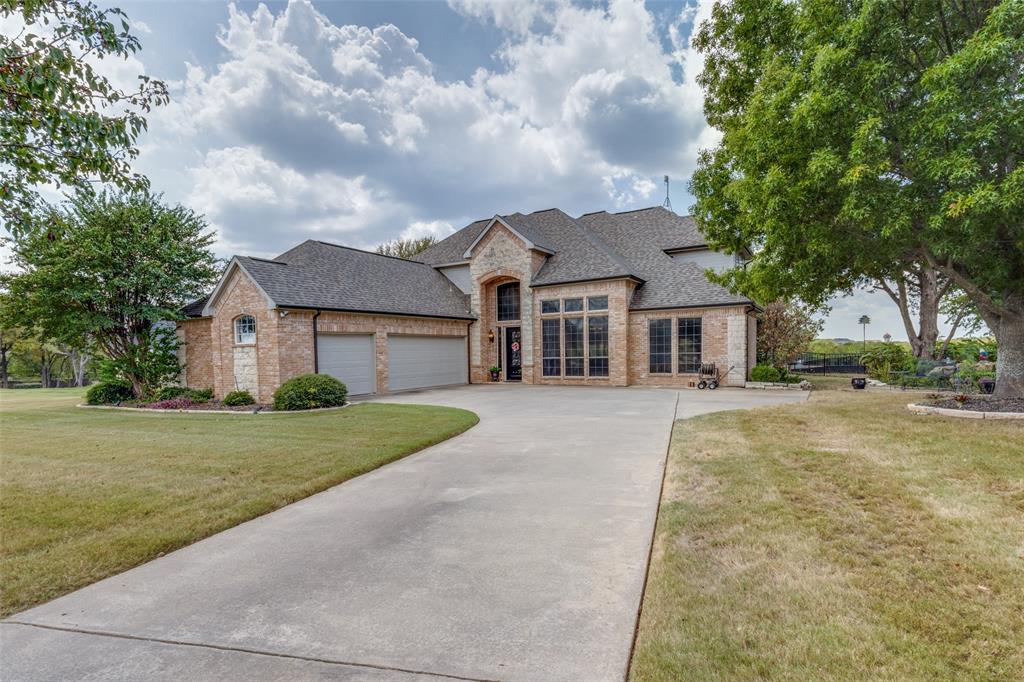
x=577, y=253
x=316, y=274
x=451, y=249
x=195, y=308
x=594, y=246
x=641, y=238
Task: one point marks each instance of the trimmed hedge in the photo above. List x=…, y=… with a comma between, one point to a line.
x=204, y=395
x=237, y=398
x=109, y=393
x=765, y=373
x=309, y=392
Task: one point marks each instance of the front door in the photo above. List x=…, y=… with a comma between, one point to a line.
x=513, y=354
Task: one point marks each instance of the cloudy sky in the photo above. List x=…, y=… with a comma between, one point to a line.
x=356, y=122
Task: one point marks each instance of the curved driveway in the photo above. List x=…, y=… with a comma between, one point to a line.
x=516, y=551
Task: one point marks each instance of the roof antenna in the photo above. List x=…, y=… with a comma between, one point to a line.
x=668, y=202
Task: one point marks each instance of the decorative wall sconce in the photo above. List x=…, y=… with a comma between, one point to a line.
x=490, y=335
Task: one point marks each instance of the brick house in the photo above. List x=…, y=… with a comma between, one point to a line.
x=603, y=299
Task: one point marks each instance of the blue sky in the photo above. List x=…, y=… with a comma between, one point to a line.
x=356, y=122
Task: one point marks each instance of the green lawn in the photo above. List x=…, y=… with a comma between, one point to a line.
x=843, y=538
x=87, y=493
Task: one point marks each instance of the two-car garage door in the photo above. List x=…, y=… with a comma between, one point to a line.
x=424, y=361
x=413, y=361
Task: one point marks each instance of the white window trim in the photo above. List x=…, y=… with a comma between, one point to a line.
x=245, y=338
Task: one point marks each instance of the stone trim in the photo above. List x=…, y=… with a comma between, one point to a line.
x=962, y=414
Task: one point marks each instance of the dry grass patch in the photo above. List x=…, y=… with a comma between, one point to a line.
x=843, y=538
x=85, y=494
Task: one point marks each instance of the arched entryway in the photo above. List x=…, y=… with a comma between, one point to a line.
x=503, y=339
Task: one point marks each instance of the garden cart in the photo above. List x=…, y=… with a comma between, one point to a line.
x=709, y=377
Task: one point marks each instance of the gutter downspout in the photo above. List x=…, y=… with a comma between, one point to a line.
x=316, y=353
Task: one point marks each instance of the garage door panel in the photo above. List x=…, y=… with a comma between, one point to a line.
x=350, y=358
x=425, y=361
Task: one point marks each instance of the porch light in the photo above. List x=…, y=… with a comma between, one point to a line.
x=490, y=335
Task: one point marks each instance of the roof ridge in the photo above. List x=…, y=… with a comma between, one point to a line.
x=369, y=253
x=264, y=260
x=649, y=208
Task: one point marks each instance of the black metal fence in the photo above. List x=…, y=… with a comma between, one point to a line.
x=827, y=363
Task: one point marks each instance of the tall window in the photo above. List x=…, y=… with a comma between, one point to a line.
x=551, y=347
x=597, y=329
x=245, y=329
x=573, y=346
x=660, y=346
x=689, y=345
x=508, y=301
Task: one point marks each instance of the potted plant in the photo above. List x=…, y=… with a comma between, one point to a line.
x=495, y=373
x=859, y=383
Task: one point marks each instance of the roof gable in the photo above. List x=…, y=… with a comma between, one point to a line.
x=236, y=265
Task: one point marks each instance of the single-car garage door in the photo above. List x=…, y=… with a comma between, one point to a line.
x=425, y=361
x=350, y=358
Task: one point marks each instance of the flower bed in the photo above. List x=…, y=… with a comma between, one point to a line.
x=979, y=404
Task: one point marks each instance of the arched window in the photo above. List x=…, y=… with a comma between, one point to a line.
x=245, y=329
x=508, y=302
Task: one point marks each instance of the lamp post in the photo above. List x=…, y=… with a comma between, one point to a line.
x=864, y=321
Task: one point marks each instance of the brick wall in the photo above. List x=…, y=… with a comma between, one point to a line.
x=723, y=341
x=241, y=296
x=194, y=335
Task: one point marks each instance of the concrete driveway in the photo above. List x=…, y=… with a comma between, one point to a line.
x=516, y=551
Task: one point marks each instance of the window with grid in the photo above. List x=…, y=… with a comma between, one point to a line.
x=689, y=345
x=245, y=329
x=573, y=346
x=551, y=347
x=508, y=301
x=572, y=305
x=660, y=346
x=549, y=306
x=597, y=303
x=597, y=329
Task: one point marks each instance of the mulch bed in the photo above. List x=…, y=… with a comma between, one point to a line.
x=212, y=405
x=979, y=404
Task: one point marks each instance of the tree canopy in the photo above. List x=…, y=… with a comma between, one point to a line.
x=861, y=137
x=406, y=248
x=61, y=122
x=110, y=266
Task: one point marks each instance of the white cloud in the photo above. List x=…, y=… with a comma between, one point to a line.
x=428, y=228
x=346, y=131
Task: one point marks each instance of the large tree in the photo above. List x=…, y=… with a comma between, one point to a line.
x=61, y=122
x=110, y=266
x=862, y=138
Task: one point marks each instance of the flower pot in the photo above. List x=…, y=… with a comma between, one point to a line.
x=859, y=383
x=495, y=376
x=987, y=385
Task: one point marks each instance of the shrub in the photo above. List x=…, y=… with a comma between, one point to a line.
x=170, y=392
x=884, y=359
x=108, y=393
x=310, y=391
x=172, y=404
x=765, y=373
x=236, y=398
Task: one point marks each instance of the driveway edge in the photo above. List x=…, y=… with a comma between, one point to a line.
x=654, y=537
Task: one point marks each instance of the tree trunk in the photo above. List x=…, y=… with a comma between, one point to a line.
x=927, y=314
x=1009, y=335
